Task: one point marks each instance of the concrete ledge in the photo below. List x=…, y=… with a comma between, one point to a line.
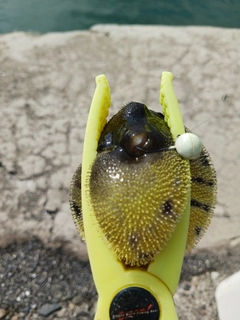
x=47, y=82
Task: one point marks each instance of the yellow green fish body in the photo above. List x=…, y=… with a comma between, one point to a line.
x=138, y=186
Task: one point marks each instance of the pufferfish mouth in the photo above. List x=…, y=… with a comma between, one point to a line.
x=138, y=193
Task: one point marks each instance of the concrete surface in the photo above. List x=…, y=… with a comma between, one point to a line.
x=47, y=82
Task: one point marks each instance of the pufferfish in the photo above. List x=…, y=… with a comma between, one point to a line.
x=138, y=186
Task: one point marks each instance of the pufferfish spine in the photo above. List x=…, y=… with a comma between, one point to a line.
x=138, y=187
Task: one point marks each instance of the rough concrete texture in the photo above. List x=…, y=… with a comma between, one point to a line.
x=47, y=83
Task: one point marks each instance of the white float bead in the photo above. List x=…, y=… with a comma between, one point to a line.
x=188, y=145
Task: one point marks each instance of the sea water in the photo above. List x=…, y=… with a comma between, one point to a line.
x=66, y=15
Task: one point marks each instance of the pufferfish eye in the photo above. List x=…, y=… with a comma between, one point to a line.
x=134, y=142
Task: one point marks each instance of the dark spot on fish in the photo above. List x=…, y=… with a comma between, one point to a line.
x=167, y=207
x=206, y=182
x=200, y=205
x=76, y=210
x=198, y=231
x=205, y=160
